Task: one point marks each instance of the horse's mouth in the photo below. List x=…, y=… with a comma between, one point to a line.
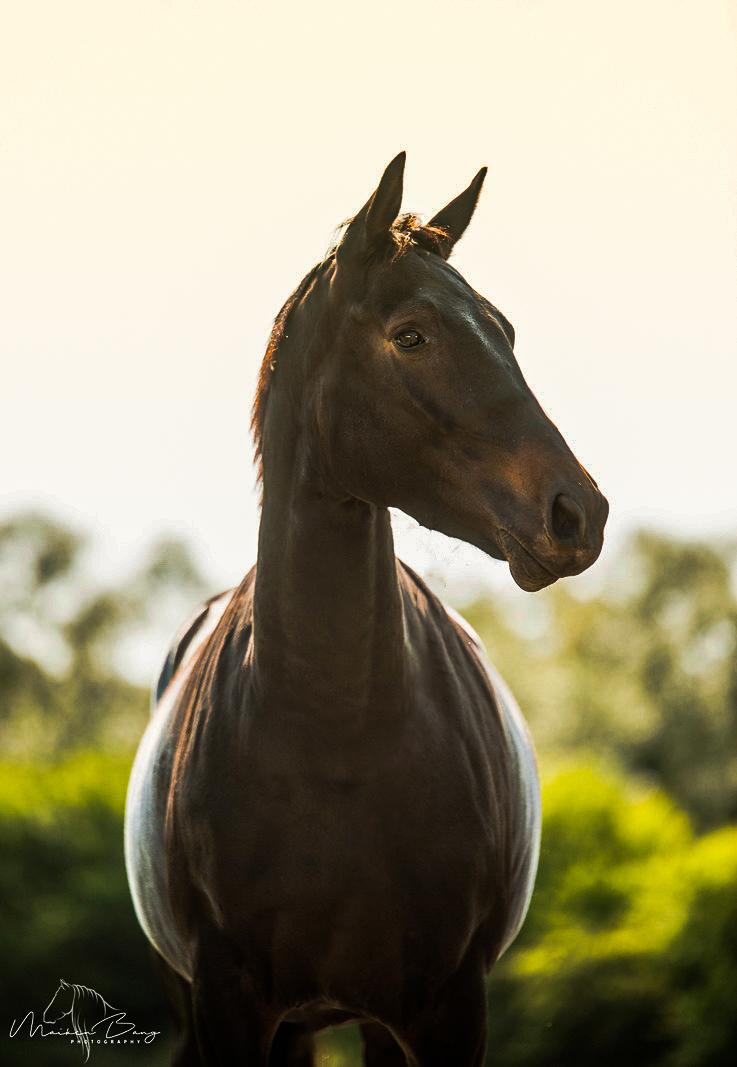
x=527, y=571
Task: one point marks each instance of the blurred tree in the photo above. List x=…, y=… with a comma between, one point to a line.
x=629, y=953
x=61, y=682
x=645, y=672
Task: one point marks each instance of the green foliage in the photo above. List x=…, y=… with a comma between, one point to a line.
x=64, y=898
x=645, y=673
x=629, y=953
x=61, y=687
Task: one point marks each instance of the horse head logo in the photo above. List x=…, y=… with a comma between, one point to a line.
x=60, y=1004
x=82, y=1007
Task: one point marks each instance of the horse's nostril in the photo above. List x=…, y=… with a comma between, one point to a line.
x=568, y=519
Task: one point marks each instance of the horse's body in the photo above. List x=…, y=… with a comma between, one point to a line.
x=334, y=813
x=471, y=844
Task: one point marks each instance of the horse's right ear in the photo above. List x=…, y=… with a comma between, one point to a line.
x=370, y=227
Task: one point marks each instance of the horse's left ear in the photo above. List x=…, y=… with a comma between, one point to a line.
x=371, y=225
x=455, y=216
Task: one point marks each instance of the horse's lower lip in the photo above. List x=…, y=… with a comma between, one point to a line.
x=527, y=571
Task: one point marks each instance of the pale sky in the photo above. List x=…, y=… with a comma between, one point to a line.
x=170, y=170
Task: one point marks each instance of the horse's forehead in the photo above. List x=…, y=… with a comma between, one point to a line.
x=415, y=274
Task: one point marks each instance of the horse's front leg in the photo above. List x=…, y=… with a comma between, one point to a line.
x=231, y=1021
x=293, y=1046
x=452, y=1030
x=379, y=1047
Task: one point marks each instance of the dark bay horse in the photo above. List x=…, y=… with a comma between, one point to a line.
x=334, y=814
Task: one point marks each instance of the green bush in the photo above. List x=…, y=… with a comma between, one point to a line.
x=629, y=953
x=65, y=903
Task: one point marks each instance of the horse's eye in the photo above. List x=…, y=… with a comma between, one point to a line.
x=409, y=339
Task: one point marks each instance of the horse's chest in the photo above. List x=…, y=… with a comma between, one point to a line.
x=336, y=891
x=415, y=845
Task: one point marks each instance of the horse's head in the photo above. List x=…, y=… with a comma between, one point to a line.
x=60, y=1004
x=422, y=405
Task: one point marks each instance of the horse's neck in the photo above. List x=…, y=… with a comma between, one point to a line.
x=328, y=623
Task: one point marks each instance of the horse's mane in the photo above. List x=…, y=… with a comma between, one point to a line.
x=407, y=231
x=268, y=364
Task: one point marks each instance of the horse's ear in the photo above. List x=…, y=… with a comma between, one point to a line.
x=455, y=216
x=370, y=227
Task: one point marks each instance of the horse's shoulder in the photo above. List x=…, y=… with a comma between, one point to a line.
x=437, y=612
x=458, y=633
x=459, y=630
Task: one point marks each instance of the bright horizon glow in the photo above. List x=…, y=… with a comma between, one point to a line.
x=171, y=170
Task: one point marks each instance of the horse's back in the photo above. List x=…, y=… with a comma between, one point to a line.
x=145, y=815
x=189, y=640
